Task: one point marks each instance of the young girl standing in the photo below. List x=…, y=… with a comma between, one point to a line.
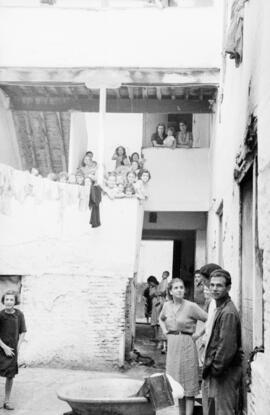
x=12, y=331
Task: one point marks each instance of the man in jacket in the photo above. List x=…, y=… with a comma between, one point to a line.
x=223, y=355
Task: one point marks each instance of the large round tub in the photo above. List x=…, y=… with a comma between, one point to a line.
x=108, y=396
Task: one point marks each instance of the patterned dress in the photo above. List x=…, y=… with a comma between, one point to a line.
x=182, y=357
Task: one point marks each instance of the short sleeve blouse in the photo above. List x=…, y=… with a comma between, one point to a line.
x=185, y=318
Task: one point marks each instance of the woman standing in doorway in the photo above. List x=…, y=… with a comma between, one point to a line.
x=178, y=320
x=159, y=136
x=12, y=331
x=184, y=137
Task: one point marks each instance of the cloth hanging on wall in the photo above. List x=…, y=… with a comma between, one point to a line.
x=234, y=42
x=94, y=201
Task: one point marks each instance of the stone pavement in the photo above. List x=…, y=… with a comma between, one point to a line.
x=35, y=389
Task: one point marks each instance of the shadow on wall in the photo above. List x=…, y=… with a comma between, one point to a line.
x=10, y=282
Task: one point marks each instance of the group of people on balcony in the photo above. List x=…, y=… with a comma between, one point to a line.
x=84, y=175
x=129, y=178
x=168, y=137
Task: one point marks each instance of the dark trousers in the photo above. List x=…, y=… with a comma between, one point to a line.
x=220, y=394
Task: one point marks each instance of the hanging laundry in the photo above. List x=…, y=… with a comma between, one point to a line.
x=94, y=201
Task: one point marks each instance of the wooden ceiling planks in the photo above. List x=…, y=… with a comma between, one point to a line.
x=43, y=139
x=78, y=97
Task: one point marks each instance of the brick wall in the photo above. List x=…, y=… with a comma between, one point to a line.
x=74, y=321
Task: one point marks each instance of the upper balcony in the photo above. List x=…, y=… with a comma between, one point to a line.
x=180, y=179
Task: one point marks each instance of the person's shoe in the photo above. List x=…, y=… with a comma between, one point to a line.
x=8, y=406
x=163, y=351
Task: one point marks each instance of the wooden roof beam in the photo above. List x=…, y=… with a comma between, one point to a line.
x=159, y=93
x=201, y=94
x=117, y=93
x=144, y=93
x=173, y=94
x=150, y=105
x=130, y=93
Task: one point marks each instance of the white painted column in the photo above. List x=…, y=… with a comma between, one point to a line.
x=200, y=249
x=101, y=140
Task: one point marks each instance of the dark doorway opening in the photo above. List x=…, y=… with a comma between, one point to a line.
x=177, y=253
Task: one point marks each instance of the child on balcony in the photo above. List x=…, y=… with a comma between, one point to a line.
x=131, y=177
x=136, y=157
x=79, y=178
x=170, y=140
x=129, y=190
x=123, y=168
x=120, y=157
x=63, y=177
x=120, y=190
x=135, y=167
x=88, y=165
x=110, y=187
x=141, y=185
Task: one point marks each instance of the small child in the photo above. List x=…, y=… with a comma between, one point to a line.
x=87, y=181
x=123, y=168
x=12, y=331
x=72, y=178
x=170, y=141
x=63, y=177
x=34, y=172
x=141, y=185
x=111, y=189
x=131, y=177
x=52, y=176
x=129, y=190
x=120, y=190
x=135, y=167
x=79, y=178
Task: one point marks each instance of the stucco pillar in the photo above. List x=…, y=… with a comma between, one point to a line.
x=101, y=141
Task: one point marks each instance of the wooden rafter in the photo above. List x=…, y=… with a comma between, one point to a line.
x=159, y=93
x=173, y=93
x=130, y=93
x=144, y=93
x=117, y=93
x=85, y=104
x=201, y=94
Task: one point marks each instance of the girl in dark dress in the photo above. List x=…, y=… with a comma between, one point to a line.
x=12, y=331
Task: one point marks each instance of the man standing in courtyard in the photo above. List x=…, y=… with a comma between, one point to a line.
x=223, y=356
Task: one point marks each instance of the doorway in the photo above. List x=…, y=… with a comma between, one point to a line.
x=165, y=250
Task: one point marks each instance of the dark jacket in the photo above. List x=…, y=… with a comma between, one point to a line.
x=224, y=349
x=157, y=138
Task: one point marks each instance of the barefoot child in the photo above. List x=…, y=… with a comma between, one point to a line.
x=12, y=331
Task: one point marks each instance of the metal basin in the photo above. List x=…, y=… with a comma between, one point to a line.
x=109, y=396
